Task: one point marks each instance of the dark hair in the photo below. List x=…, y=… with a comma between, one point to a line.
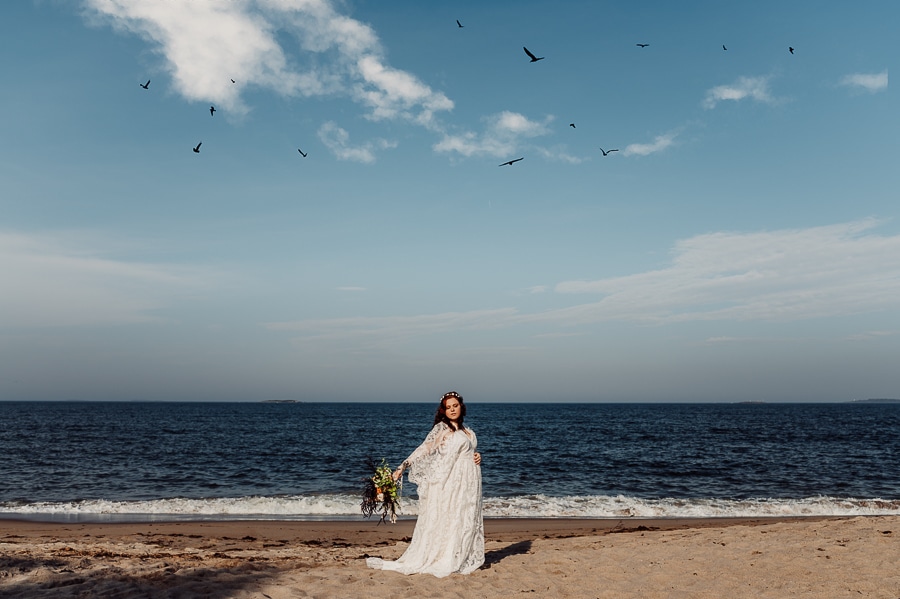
x=441, y=415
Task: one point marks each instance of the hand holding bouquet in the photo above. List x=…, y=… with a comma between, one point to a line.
x=381, y=492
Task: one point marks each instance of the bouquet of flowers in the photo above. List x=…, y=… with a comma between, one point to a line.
x=381, y=492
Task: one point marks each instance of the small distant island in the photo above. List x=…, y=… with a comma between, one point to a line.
x=876, y=400
x=280, y=401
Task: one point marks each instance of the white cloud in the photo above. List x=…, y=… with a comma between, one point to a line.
x=755, y=88
x=513, y=123
x=395, y=92
x=660, y=143
x=775, y=276
x=50, y=282
x=207, y=43
x=870, y=82
x=298, y=48
x=337, y=140
x=503, y=135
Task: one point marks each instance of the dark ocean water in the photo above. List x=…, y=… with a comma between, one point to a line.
x=303, y=460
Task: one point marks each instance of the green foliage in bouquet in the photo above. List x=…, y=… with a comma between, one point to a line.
x=381, y=493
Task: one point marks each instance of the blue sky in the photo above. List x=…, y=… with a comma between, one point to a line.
x=743, y=243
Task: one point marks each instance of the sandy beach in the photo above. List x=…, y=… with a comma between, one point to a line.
x=714, y=558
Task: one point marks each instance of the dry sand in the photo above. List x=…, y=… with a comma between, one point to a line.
x=825, y=558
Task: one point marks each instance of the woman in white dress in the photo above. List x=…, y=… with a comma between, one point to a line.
x=449, y=532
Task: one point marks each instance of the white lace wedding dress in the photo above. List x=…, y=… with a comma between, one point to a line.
x=449, y=533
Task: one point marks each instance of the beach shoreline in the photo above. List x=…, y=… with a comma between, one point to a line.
x=809, y=556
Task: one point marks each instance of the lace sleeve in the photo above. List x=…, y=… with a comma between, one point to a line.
x=426, y=463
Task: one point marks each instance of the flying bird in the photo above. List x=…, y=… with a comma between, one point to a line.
x=791, y=49
x=197, y=148
x=510, y=163
x=607, y=152
x=642, y=45
x=145, y=85
x=460, y=24
x=572, y=125
x=302, y=153
x=723, y=47
x=532, y=56
x=212, y=111
x=232, y=80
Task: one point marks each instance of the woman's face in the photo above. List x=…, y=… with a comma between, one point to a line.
x=452, y=408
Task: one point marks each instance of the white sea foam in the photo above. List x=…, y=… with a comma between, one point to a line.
x=605, y=506
x=345, y=507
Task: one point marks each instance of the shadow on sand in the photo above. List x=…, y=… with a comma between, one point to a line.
x=61, y=578
x=497, y=555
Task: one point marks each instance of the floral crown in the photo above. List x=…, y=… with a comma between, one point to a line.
x=450, y=394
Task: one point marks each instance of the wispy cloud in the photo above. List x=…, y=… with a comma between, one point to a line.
x=660, y=143
x=870, y=82
x=207, y=43
x=871, y=335
x=50, y=281
x=776, y=276
x=337, y=140
x=744, y=340
x=396, y=326
x=557, y=335
x=716, y=340
x=559, y=153
x=755, y=88
x=502, y=135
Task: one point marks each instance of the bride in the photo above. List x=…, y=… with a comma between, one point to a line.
x=449, y=532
